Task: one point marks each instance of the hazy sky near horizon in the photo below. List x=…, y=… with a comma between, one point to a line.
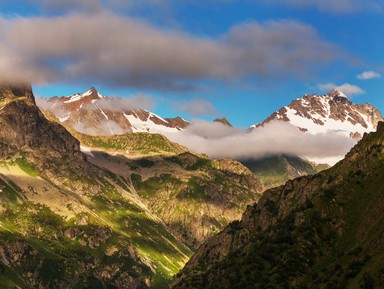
x=198, y=59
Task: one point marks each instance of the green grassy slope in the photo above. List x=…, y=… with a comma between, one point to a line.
x=195, y=196
x=107, y=238
x=136, y=143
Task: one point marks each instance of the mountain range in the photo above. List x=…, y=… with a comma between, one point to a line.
x=315, y=114
x=128, y=210
x=94, y=114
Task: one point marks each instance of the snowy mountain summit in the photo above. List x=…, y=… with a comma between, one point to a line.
x=95, y=114
x=330, y=112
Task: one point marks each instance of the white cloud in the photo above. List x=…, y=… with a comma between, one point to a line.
x=346, y=88
x=120, y=51
x=138, y=101
x=350, y=89
x=368, y=75
x=196, y=107
x=218, y=141
x=104, y=128
x=327, y=86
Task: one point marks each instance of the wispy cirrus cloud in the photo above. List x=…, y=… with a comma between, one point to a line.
x=331, y=6
x=339, y=6
x=121, y=51
x=346, y=88
x=368, y=75
x=196, y=107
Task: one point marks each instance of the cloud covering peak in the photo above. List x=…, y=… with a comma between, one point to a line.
x=346, y=88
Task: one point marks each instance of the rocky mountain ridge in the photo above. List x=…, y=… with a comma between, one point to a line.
x=24, y=128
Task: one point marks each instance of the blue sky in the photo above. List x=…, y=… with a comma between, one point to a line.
x=198, y=59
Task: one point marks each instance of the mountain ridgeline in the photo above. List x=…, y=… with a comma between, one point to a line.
x=319, y=231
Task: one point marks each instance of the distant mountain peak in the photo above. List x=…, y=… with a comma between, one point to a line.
x=332, y=112
x=223, y=120
x=89, y=96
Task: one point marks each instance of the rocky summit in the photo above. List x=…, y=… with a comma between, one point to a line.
x=320, y=231
x=24, y=128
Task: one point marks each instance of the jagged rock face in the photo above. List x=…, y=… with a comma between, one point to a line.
x=321, y=231
x=23, y=127
x=92, y=113
x=177, y=122
x=331, y=112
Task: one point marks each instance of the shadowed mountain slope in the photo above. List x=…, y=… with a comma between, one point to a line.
x=320, y=231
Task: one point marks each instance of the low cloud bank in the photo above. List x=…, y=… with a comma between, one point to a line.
x=103, y=128
x=219, y=141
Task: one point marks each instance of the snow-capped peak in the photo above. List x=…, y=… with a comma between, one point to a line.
x=91, y=93
x=332, y=112
x=92, y=113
